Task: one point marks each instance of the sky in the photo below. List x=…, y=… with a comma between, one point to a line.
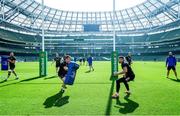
x=90, y=5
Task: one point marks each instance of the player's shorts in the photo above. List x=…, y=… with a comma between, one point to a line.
x=171, y=67
x=90, y=64
x=131, y=77
x=12, y=67
x=61, y=75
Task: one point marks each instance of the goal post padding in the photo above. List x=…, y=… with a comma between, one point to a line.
x=42, y=64
x=114, y=64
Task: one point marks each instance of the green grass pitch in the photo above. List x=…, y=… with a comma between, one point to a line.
x=152, y=92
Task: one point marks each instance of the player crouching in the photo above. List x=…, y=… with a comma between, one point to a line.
x=128, y=76
x=67, y=72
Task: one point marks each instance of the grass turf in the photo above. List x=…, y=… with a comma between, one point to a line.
x=152, y=92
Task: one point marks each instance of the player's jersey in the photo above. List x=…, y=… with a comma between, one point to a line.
x=129, y=59
x=62, y=72
x=90, y=60
x=130, y=72
x=11, y=58
x=57, y=60
x=171, y=61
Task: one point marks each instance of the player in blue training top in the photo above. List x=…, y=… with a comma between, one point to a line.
x=69, y=74
x=90, y=61
x=171, y=64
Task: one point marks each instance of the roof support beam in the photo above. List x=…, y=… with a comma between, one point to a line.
x=123, y=20
x=65, y=21
x=118, y=21
x=13, y=10
x=45, y=16
x=130, y=19
x=151, y=16
x=52, y=19
x=76, y=21
x=59, y=21
x=106, y=22
x=33, y=11
x=35, y=20
x=70, y=22
x=2, y=9
x=137, y=17
x=178, y=9
x=167, y=8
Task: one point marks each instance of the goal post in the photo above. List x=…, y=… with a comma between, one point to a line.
x=114, y=54
x=43, y=54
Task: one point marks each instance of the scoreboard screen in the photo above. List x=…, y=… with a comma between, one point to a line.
x=91, y=28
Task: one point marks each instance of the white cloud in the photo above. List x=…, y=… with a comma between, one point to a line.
x=90, y=5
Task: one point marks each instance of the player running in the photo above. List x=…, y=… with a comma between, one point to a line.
x=57, y=60
x=12, y=61
x=128, y=75
x=129, y=58
x=90, y=61
x=171, y=64
x=66, y=69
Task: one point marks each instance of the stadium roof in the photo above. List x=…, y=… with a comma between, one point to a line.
x=90, y=5
x=147, y=16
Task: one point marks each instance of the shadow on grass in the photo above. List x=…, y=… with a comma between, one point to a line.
x=50, y=77
x=85, y=83
x=175, y=80
x=109, y=103
x=56, y=100
x=88, y=71
x=6, y=81
x=25, y=80
x=3, y=81
x=128, y=107
x=30, y=79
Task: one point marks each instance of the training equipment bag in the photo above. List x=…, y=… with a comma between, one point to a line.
x=70, y=76
x=4, y=62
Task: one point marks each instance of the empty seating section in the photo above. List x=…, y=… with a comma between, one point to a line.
x=147, y=43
